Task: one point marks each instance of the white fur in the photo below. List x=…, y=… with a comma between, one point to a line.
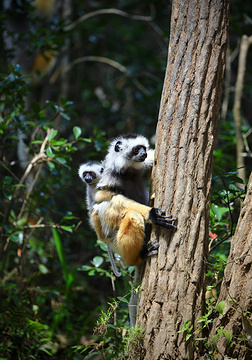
x=122, y=162
x=90, y=188
x=134, y=187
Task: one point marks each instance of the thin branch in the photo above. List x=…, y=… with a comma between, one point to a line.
x=9, y=170
x=245, y=44
x=40, y=157
x=225, y=263
x=10, y=274
x=30, y=192
x=101, y=59
x=231, y=233
x=42, y=226
x=113, y=12
x=112, y=63
x=245, y=139
x=230, y=57
x=220, y=242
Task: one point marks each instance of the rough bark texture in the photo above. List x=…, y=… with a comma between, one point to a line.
x=172, y=287
x=236, y=289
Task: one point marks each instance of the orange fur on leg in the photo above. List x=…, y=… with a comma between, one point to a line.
x=130, y=238
x=97, y=226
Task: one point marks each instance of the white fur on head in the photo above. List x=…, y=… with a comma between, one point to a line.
x=91, y=166
x=120, y=160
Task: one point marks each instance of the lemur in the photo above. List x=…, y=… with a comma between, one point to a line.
x=119, y=212
x=128, y=166
x=90, y=173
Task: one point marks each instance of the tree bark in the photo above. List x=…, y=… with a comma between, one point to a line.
x=236, y=289
x=173, y=282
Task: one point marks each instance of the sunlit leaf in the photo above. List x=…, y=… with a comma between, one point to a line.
x=52, y=134
x=97, y=261
x=50, y=152
x=221, y=306
x=77, y=132
x=43, y=269
x=227, y=335
x=67, y=228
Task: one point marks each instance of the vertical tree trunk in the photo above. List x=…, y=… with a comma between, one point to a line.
x=173, y=283
x=236, y=289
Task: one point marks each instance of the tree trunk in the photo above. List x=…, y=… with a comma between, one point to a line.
x=236, y=290
x=173, y=282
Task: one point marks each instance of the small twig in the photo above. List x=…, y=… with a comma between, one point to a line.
x=225, y=263
x=101, y=59
x=9, y=170
x=10, y=274
x=42, y=226
x=245, y=139
x=29, y=192
x=110, y=62
x=220, y=242
x=227, y=201
x=245, y=44
x=110, y=11
x=41, y=156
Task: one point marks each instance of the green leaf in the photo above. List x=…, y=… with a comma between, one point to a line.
x=61, y=160
x=88, y=140
x=84, y=268
x=7, y=194
x=67, y=228
x=91, y=273
x=49, y=152
x=122, y=299
x=43, y=269
x=77, y=132
x=8, y=180
x=70, y=217
x=52, y=134
x=36, y=142
x=217, y=212
x=60, y=251
x=97, y=261
x=89, y=356
x=185, y=326
x=188, y=336
x=221, y=306
x=70, y=279
x=214, y=340
x=59, y=142
x=51, y=165
x=65, y=116
x=228, y=336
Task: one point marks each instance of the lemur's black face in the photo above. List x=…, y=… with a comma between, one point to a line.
x=89, y=176
x=139, y=153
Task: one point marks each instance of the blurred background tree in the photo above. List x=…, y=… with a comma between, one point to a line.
x=73, y=75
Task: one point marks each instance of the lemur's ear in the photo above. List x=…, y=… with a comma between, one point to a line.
x=117, y=146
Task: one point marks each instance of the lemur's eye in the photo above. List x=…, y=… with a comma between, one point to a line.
x=136, y=150
x=93, y=174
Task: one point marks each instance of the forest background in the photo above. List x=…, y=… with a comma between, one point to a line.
x=104, y=76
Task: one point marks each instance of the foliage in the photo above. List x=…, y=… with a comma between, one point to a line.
x=51, y=291
x=134, y=343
